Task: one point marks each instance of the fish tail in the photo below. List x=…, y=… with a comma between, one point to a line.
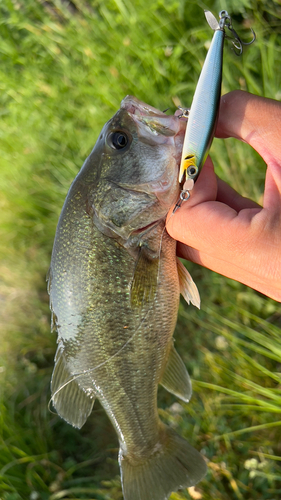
x=174, y=464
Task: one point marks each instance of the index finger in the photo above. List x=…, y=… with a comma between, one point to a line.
x=252, y=119
x=226, y=194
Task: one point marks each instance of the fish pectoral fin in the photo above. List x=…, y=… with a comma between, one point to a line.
x=69, y=398
x=188, y=288
x=175, y=378
x=145, y=279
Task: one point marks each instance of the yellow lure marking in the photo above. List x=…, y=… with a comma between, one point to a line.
x=186, y=162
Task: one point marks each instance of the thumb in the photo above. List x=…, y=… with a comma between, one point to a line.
x=202, y=222
x=205, y=189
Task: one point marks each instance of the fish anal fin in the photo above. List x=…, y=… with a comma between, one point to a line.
x=175, y=378
x=174, y=464
x=69, y=397
x=188, y=288
x=145, y=279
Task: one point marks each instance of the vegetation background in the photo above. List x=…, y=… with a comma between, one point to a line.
x=65, y=66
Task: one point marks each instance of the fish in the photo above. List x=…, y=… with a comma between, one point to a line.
x=114, y=285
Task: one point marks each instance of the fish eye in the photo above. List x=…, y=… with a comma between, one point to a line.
x=118, y=140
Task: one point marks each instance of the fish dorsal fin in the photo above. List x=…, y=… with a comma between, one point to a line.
x=188, y=288
x=145, y=279
x=175, y=378
x=68, y=397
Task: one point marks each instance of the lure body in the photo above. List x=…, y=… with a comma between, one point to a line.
x=204, y=108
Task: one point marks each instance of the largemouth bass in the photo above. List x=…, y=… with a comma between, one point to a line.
x=114, y=289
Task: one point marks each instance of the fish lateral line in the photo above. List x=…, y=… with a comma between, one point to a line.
x=74, y=377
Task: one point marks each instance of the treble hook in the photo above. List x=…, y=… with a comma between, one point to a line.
x=225, y=20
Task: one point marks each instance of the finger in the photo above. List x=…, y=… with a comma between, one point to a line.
x=191, y=223
x=250, y=275
x=205, y=189
x=228, y=269
x=216, y=228
x=203, y=226
x=226, y=194
x=252, y=119
x=231, y=113
x=272, y=191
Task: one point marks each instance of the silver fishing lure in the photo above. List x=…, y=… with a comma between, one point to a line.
x=202, y=117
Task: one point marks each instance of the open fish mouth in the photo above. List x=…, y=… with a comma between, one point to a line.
x=165, y=128
x=157, y=122
x=135, y=106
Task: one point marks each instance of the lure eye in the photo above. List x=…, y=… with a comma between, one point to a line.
x=118, y=140
x=191, y=171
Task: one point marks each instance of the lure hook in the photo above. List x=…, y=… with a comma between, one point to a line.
x=238, y=43
x=225, y=21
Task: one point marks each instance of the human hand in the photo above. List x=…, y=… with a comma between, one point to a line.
x=220, y=229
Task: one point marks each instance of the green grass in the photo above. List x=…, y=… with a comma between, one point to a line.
x=63, y=72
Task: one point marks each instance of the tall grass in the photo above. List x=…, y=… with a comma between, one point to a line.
x=65, y=66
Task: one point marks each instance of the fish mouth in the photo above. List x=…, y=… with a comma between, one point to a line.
x=165, y=128
x=154, y=120
x=179, y=138
x=135, y=106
